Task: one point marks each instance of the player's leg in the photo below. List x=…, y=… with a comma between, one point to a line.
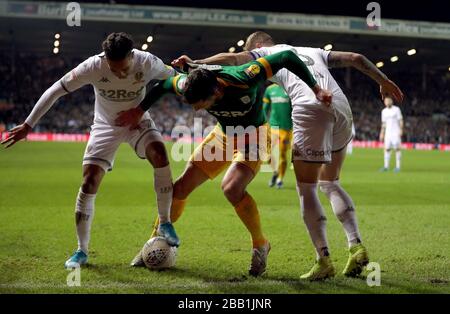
x=191, y=178
x=350, y=148
x=387, y=154
x=98, y=159
x=313, y=129
x=92, y=177
x=234, y=187
x=314, y=219
x=398, y=157
x=156, y=154
x=148, y=143
x=198, y=169
x=398, y=154
x=341, y=203
x=344, y=209
x=285, y=139
x=275, y=155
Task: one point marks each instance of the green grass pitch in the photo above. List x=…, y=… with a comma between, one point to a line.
x=404, y=219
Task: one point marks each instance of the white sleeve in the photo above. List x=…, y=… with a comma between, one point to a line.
x=400, y=117
x=323, y=54
x=260, y=52
x=44, y=103
x=156, y=69
x=73, y=80
x=383, y=116
x=78, y=77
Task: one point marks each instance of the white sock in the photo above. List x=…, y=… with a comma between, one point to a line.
x=398, y=157
x=343, y=208
x=350, y=148
x=84, y=214
x=164, y=190
x=313, y=216
x=387, y=158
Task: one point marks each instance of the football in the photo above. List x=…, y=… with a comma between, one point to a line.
x=158, y=254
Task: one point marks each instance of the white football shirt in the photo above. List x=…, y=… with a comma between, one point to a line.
x=112, y=94
x=316, y=60
x=391, y=117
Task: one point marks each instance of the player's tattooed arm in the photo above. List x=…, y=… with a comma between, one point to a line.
x=339, y=59
x=227, y=58
x=219, y=59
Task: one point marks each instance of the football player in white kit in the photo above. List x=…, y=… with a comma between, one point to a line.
x=391, y=133
x=119, y=76
x=350, y=144
x=321, y=134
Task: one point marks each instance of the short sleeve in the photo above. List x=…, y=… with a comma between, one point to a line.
x=157, y=69
x=383, y=116
x=399, y=113
x=260, y=52
x=324, y=55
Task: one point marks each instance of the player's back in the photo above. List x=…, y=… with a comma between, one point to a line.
x=316, y=60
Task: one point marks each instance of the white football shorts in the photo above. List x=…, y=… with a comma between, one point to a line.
x=105, y=140
x=320, y=131
x=392, y=142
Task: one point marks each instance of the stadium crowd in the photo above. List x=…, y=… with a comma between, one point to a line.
x=426, y=109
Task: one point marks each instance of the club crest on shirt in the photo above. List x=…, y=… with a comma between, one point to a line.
x=246, y=99
x=252, y=70
x=138, y=78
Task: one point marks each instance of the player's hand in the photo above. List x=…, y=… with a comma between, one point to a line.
x=323, y=95
x=130, y=117
x=16, y=134
x=181, y=62
x=381, y=138
x=389, y=88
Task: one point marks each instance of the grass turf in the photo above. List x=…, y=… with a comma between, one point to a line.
x=404, y=219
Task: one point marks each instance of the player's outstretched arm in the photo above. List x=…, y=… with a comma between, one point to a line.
x=289, y=60
x=132, y=117
x=337, y=59
x=227, y=58
x=50, y=96
x=220, y=59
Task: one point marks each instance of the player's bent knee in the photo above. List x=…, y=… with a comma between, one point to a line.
x=156, y=154
x=180, y=190
x=327, y=187
x=91, y=179
x=233, y=192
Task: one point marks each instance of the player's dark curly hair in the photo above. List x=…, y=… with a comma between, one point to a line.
x=117, y=46
x=200, y=85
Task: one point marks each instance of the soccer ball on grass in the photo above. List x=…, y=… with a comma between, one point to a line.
x=158, y=254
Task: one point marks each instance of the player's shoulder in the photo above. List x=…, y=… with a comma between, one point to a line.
x=140, y=55
x=93, y=62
